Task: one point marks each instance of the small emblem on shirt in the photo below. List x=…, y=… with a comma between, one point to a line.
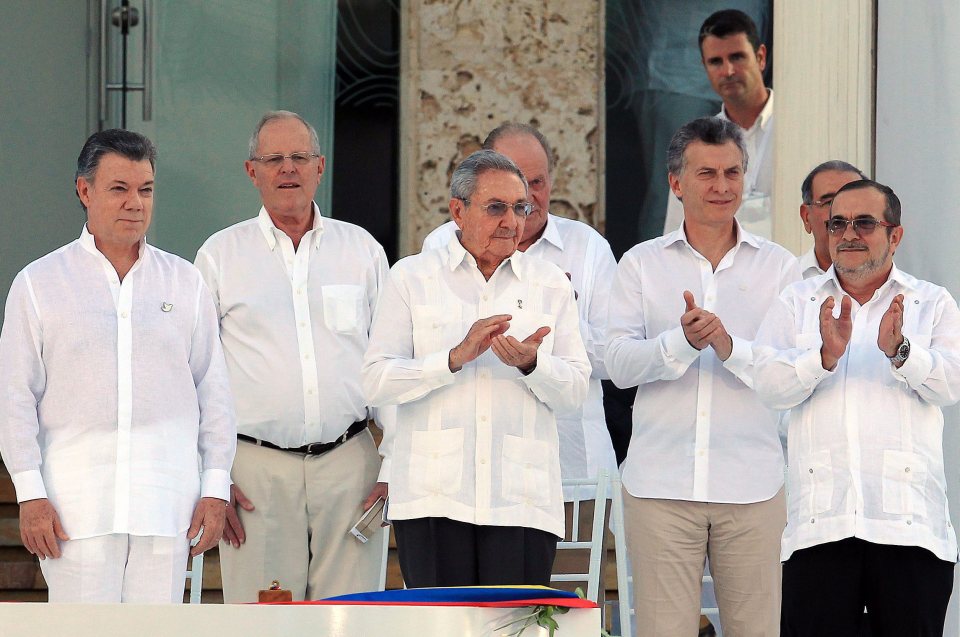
x=166, y=307
x=519, y=304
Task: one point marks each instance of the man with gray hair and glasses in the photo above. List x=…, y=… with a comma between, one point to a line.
x=704, y=472
x=295, y=294
x=478, y=344
x=113, y=384
x=817, y=191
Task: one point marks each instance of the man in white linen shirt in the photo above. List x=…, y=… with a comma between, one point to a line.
x=295, y=293
x=865, y=357
x=734, y=59
x=114, y=381
x=477, y=344
x=819, y=188
x=704, y=471
x=581, y=252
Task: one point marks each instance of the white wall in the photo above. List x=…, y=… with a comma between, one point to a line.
x=918, y=155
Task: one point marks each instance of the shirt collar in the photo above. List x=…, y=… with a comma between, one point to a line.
x=551, y=234
x=809, y=262
x=459, y=254
x=680, y=235
x=897, y=276
x=88, y=243
x=270, y=230
x=765, y=117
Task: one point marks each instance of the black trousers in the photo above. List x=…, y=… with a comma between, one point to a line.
x=905, y=589
x=444, y=552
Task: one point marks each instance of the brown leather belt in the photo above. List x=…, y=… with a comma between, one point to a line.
x=314, y=448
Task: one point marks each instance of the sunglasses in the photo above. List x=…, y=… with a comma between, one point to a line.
x=861, y=225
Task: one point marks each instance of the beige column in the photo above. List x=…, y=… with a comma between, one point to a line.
x=469, y=65
x=824, y=79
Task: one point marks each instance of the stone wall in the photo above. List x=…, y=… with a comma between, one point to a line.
x=469, y=65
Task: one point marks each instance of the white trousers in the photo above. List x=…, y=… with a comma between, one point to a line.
x=118, y=568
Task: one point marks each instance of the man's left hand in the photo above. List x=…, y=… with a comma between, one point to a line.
x=209, y=515
x=889, y=336
x=519, y=354
x=379, y=491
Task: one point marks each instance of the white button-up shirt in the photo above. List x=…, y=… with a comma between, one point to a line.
x=754, y=214
x=585, y=445
x=699, y=430
x=865, y=440
x=479, y=445
x=110, y=390
x=294, y=324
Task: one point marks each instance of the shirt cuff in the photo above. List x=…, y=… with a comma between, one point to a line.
x=215, y=483
x=675, y=346
x=436, y=369
x=741, y=356
x=29, y=485
x=810, y=367
x=916, y=369
x=542, y=372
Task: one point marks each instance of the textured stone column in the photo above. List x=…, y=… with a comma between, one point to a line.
x=469, y=65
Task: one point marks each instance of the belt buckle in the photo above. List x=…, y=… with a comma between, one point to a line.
x=311, y=446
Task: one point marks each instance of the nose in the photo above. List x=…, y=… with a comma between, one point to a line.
x=722, y=183
x=134, y=200
x=728, y=68
x=287, y=165
x=849, y=232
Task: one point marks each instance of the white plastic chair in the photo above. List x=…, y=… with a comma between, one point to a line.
x=385, y=532
x=195, y=574
x=597, y=487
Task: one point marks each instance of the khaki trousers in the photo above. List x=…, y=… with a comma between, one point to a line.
x=668, y=541
x=299, y=532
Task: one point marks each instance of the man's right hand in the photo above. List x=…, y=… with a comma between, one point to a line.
x=233, y=530
x=834, y=332
x=477, y=340
x=40, y=528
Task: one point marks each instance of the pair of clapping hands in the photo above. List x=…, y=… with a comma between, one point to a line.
x=836, y=332
x=490, y=333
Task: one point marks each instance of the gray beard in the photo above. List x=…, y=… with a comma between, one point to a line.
x=866, y=268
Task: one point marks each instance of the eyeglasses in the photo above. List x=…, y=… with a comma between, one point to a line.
x=276, y=160
x=861, y=225
x=499, y=208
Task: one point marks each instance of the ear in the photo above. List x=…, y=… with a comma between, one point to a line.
x=805, y=216
x=321, y=165
x=762, y=57
x=457, y=210
x=674, y=182
x=896, y=236
x=248, y=167
x=83, y=191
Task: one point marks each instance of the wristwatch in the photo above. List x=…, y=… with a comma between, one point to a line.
x=902, y=352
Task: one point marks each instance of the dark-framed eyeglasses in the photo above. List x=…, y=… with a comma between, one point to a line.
x=499, y=208
x=861, y=225
x=276, y=160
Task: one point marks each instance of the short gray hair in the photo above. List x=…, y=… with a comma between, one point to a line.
x=463, y=183
x=511, y=129
x=838, y=165
x=708, y=130
x=270, y=116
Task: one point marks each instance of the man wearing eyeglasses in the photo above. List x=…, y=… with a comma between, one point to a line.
x=581, y=252
x=295, y=293
x=817, y=192
x=865, y=357
x=478, y=344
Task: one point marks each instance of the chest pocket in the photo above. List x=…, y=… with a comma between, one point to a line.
x=526, y=322
x=343, y=308
x=816, y=482
x=904, y=479
x=436, y=327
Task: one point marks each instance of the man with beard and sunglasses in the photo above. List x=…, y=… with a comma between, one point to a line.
x=865, y=357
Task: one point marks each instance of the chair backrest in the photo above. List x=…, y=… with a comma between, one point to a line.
x=595, y=489
x=195, y=575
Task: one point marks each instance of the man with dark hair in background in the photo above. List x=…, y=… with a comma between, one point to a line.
x=734, y=59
